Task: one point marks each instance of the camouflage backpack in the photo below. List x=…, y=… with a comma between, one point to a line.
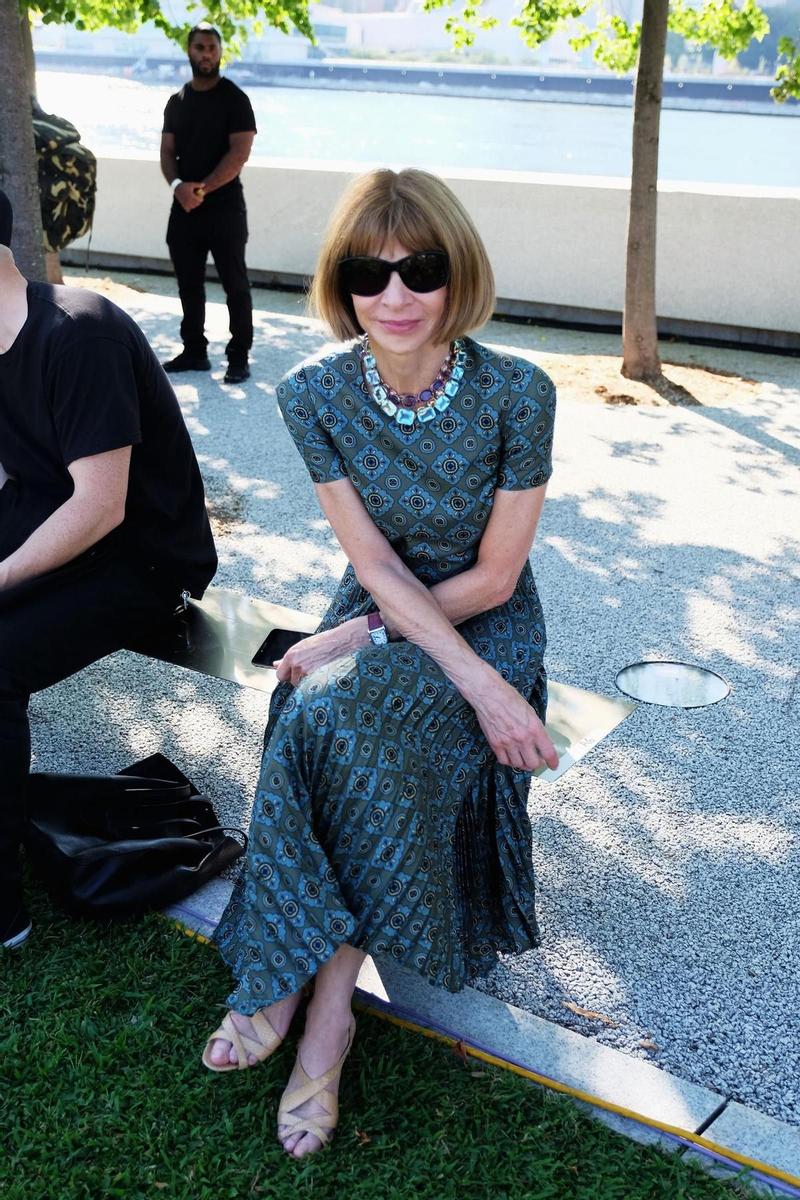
x=67, y=179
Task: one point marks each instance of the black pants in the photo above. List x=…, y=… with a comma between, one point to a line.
x=49, y=629
x=221, y=229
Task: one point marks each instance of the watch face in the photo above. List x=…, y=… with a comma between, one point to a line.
x=377, y=631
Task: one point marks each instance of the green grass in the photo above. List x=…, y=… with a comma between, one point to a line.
x=103, y=1095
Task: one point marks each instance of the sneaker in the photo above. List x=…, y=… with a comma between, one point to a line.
x=187, y=362
x=236, y=373
x=15, y=930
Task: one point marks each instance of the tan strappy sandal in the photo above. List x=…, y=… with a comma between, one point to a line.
x=265, y=1042
x=304, y=1088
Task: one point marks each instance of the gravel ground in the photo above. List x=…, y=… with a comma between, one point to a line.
x=668, y=858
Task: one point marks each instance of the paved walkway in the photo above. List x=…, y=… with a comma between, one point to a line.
x=668, y=858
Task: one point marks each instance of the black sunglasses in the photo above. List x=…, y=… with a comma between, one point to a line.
x=425, y=271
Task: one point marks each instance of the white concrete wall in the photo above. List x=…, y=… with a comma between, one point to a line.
x=726, y=255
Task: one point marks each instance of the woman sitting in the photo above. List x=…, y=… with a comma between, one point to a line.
x=390, y=816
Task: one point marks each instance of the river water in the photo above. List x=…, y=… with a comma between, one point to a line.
x=118, y=116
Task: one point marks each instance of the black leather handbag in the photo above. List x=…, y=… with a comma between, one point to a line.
x=116, y=846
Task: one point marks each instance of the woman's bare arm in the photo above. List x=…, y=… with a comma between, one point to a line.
x=426, y=616
x=503, y=552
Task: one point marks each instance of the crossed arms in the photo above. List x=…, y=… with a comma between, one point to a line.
x=428, y=616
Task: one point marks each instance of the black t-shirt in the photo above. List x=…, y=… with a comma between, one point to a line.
x=81, y=379
x=202, y=123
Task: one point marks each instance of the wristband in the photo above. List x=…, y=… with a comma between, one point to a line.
x=377, y=630
x=176, y=183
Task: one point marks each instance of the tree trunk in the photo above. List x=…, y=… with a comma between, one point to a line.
x=52, y=261
x=52, y=266
x=640, y=356
x=27, y=50
x=18, y=171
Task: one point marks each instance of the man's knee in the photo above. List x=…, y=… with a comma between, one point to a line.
x=239, y=293
x=62, y=627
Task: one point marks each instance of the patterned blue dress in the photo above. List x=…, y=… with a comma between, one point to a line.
x=382, y=818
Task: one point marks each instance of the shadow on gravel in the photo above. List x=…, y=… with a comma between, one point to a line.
x=668, y=860
x=756, y=428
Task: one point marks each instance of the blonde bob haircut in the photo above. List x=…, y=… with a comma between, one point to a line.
x=420, y=212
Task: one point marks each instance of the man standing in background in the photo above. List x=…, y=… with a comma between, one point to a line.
x=208, y=133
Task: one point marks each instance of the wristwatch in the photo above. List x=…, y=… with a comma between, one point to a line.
x=377, y=630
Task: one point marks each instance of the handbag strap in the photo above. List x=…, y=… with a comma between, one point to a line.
x=223, y=829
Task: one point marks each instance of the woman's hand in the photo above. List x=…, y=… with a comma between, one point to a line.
x=321, y=648
x=512, y=728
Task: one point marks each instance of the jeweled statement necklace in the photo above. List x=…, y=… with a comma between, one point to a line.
x=430, y=401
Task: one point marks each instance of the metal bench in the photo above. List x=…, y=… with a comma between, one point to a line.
x=223, y=635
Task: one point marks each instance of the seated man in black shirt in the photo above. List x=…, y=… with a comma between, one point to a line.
x=207, y=137
x=102, y=514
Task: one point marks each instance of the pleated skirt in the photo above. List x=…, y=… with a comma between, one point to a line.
x=381, y=820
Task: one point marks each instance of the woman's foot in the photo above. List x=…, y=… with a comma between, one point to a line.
x=309, y=1107
x=221, y=1054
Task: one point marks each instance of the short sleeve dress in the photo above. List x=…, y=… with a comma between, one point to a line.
x=382, y=818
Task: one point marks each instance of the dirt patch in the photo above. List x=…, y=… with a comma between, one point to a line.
x=596, y=379
x=112, y=288
x=613, y=397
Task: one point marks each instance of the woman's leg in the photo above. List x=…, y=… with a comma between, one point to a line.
x=334, y=983
x=325, y=1038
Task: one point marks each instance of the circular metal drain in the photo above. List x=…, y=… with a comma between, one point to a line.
x=676, y=684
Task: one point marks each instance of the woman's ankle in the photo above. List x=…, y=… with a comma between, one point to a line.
x=325, y=1015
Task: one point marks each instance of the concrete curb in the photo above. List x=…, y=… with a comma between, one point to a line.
x=635, y=1098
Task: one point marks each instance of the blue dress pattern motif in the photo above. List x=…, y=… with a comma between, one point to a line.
x=382, y=818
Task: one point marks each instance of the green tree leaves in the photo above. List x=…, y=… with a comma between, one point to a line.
x=728, y=25
x=235, y=19
x=614, y=43
x=787, y=76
